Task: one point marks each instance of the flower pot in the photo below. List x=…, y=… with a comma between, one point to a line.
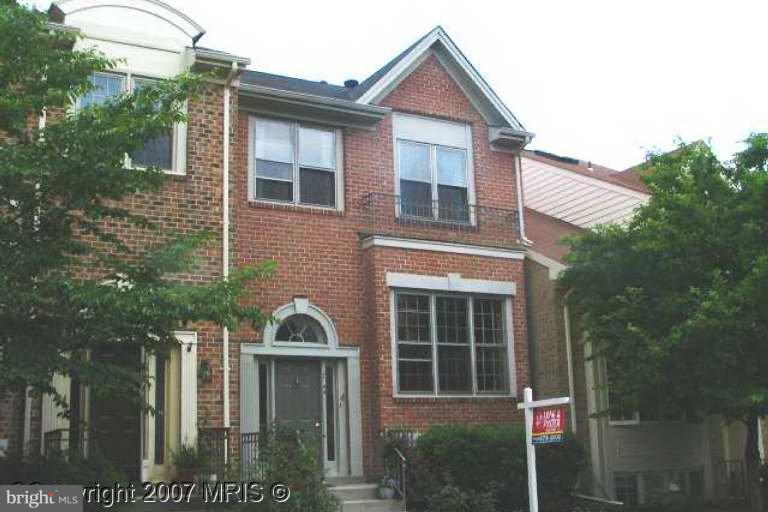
x=386, y=493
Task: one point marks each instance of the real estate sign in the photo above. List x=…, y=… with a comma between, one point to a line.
x=548, y=425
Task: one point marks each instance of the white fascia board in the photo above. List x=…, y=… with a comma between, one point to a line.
x=554, y=266
x=451, y=283
x=449, y=247
x=439, y=35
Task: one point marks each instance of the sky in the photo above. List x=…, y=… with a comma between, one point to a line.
x=605, y=81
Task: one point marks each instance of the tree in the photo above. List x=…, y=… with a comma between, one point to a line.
x=676, y=301
x=68, y=282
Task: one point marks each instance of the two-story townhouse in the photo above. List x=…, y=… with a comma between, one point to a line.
x=393, y=210
x=637, y=457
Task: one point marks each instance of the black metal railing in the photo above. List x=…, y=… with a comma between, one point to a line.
x=253, y=461
x=389, y=214
x=67, y=443
x=397, y=445
x=214, y=447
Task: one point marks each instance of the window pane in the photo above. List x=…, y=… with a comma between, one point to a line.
x=415, y=199
x=275, y=190
x=489, y=326
x=273, y=141
x=157, y=152
x=414, y=162
x=317, y=148
x=452, y=320
x=414, y=351
x=317, y=187
x=491, y=365
x=413, y=318
x=451, y=167
x=301, y=329
x=105, y=87
x=452, y=203
x=415, y=376
x=454, y=369
x=274, y=170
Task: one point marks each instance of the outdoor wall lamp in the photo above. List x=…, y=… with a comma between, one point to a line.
x=204, y=371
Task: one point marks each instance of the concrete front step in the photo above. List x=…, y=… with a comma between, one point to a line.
x=371, y=506
x=355, y=491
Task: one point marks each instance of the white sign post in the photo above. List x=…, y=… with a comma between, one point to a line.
x=529, y=405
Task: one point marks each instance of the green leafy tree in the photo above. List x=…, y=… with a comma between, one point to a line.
x=676, y=301
x=68, y=282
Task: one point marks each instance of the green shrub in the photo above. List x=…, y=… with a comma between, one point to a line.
x=452, y=499
x=491, y=458
x=59, y=470
x=295, y=463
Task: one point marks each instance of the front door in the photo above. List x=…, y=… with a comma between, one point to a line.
x=298, y=399
x=116, y=422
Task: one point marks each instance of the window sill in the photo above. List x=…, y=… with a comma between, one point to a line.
x=404, y=398
x=275, y=205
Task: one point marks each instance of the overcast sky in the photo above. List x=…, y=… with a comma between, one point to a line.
x=601, y=81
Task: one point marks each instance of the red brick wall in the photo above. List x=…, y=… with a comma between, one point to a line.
x=319, y=256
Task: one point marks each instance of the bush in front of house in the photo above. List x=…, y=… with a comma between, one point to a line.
x=292, y=460
x=491, y=459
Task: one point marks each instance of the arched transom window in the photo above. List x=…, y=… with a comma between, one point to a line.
x=301, y=329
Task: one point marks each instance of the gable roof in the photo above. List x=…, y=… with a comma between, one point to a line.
x=382, y=81
x=371, y=90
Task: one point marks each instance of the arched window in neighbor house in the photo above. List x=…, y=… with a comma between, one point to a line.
x=301, y=328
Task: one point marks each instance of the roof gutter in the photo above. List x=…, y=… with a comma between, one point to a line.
x=310, y=107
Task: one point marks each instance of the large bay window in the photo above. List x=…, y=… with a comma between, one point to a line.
x=450, y=344
x=294, y=163
x=433, y=163
x=158, y=152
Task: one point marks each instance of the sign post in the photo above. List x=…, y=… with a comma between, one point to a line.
x=544, y=424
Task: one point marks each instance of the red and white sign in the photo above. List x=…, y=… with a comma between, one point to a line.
x=548, y=425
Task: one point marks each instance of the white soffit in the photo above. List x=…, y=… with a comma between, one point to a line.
x=574, y=198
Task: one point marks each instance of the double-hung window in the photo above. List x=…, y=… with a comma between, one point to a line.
x=294, y=163
x=449, y=344
x=433, y=163
x=158, y=152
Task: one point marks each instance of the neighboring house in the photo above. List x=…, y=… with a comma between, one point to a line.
x=392, y=208
x=637, y=456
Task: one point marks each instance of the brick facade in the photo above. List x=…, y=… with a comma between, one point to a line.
x=319, y=253
x=319, y=256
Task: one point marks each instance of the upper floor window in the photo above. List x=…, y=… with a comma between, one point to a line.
x=158, y=152
x=451, y=344
x=295, y=163
x=433, y=161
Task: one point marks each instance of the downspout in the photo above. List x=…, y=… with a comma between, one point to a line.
x=225, y=238
x=519, y=185
x=569, y=358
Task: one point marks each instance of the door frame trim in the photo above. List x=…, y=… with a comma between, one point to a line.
x=351, y=356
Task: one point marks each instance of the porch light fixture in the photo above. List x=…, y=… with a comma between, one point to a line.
x=204, y=371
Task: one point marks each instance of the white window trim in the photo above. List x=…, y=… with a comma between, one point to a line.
x=451, y=283
x=179, y=132
x=471, y=200
x=301, y=306
x=338, y=172
x=509, y=340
